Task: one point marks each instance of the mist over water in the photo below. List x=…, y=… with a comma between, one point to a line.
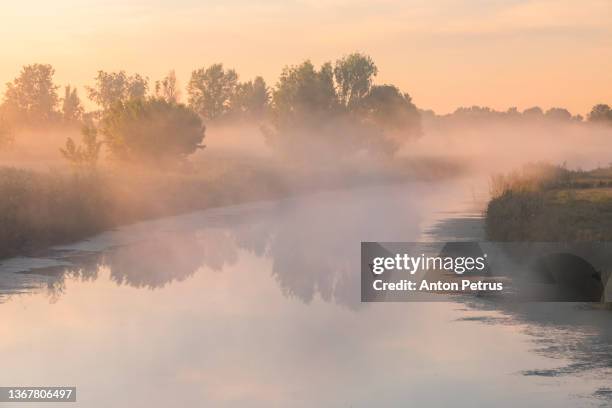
x=258, y=304
x=185, y=189
x=497, y=146
x=479, y=148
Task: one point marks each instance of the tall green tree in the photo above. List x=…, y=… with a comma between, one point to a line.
x=32, y=97
x=315, y=116
x=303, y=91
x=113, y=87
x=250, y=98
x=210, y=90
x=72, y=109
x=354, y=75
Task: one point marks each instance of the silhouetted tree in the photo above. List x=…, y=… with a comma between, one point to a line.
x=354, y=75
x=601, y=113
x=167, y=88
x=309, y=118
x=32, y=98
x=558, y=114
x=388, y=107
x=513, y=112
x=72, y=110
x=113, y=87
x=303, y=91
x=533, y=113
x=210, y=90
x=250, y=98
x=477, y=115
x=151, y=130
x=474, y=112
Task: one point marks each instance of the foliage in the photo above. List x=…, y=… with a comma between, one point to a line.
x=532, y=177
x=601, y=113
x=484, y=115
x=550, y=203
x=250, y=98
x=387, y=107
x=556, y=215
x=6, y=133
x=39, y=209
x=72, y=110
x=534, y=112
x=85, y=156
x=560, y=114
x=336, y=110
x=31, y=98
x=476, y=112
x=210, y=90
x=354, y=75
x=302, y=92
x=151, y=130
x=113, y=87
x=167, y=88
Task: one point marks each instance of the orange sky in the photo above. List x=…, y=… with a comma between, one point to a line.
x=445, y=53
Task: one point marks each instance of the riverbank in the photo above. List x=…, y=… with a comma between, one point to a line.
x=41, y=209
x=547, y=203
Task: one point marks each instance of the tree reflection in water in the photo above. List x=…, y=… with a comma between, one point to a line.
x=314, y=252
x=313, y=245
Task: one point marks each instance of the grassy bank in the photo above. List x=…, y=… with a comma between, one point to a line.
x=547, y=203
x=40, y=209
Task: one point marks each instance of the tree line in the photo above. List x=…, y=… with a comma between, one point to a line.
x=600, y=113
x=335, y=109
x=33, y=98
x=534, y=113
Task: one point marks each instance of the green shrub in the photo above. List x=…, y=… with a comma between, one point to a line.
x=153, y=131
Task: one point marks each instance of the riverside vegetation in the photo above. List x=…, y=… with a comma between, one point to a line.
x=141, y=153
x=39, y=209
x=545, y=203
x=138, y=155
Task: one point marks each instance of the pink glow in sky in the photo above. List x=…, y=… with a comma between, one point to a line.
x=445, y=53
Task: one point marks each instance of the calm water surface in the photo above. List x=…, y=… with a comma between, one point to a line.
x=258, y=306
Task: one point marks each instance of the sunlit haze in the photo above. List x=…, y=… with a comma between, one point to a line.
x=445, y=53
x=301, y=203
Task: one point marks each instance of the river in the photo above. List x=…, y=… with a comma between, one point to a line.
x=257, y=305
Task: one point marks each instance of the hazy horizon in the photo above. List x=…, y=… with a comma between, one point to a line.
x=499, y=53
